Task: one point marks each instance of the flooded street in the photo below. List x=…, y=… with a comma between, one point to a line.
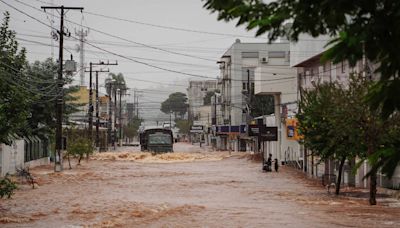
x=191, y=188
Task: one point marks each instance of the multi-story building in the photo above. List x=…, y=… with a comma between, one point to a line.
x=275, y=77
x=249, y=66
x=311, y=70
x=199, y=112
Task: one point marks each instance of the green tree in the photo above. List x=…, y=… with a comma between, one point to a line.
x=14, y=99
x=131, y=130
x=43, y=78
x=337, y=123
x=262, y=105
x=183, y=126
x=358, y=28
x=175, y=103
x=207, y=97
x=115, y=82
x=78, y=146
x=328, y=132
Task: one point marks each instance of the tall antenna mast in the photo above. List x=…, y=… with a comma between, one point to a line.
x=81, y=49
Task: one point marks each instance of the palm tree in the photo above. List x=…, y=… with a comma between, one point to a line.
x=115, y=82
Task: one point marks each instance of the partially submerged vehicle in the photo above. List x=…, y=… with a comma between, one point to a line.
x=157, y=140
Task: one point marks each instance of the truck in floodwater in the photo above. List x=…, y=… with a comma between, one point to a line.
x=157, y=140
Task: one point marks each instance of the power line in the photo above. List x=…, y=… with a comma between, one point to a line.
x=165, y=27
x=122, y=56
x=121, y=38
x=169, y=27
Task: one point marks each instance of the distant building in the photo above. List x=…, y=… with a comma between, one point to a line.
x=199, y=112
x=82, y=99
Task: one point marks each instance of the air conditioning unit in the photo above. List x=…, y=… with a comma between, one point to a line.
x=264, y=60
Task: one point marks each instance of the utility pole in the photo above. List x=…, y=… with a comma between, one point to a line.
x=109, y=125
x=248, y=86
x=137, y=104
x=115, y=118
x=120, y=117
x=215, y=110
x=82, y=34
x=134, y=101
x=60, y=99
x=97, y=107
x=90, y=104
x=170, y=120
x=90, y=111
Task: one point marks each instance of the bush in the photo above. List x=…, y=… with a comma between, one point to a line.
x=80, y=147
x=7, y=187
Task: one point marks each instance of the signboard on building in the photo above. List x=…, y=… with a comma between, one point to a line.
x=197, y=123
x=197, y=129
x=254, y=129
x=270, y=134
x=292, y=131
x=266, y=133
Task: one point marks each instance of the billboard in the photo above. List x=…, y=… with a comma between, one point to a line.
x=292, y=131
x=196, y=129
x=266, y=133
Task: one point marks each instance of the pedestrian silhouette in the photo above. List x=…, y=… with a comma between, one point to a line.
x=268, y=164
x=276, y=165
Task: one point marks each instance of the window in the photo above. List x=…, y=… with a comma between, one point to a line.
x=244, y=86
x=250, y=55
x=276, y=54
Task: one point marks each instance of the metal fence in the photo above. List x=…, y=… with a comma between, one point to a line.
x=36, y=148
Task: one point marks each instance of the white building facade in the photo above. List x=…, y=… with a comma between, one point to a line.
x=307, y=54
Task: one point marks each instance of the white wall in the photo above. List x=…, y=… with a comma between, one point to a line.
x=272, y=80
x=11, y=157
x=237, y=67
x=306, y=47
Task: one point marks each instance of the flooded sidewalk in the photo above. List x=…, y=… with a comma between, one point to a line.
x=190, y=188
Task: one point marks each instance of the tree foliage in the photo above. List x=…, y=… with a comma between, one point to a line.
x=262, y=105
x=131, y=130
x=176, y=103
x=331, y=120
x=14, y=100
x=28, y=92
x=183, y=126
x=78, y=146
x=115, y=82
x=42, y=110
x=7, y=187
x=207, y=97
x=357, y=28
x=338, y=124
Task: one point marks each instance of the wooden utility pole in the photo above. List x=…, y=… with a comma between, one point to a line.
x=109, y=125
x=90, y=111
x=60, y=99
x=97, y=107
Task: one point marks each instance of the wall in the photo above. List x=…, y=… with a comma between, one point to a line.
x=238, y=58
x=306, y=47
x=11, y=157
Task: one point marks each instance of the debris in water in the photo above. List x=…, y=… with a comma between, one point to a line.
x=146, y=157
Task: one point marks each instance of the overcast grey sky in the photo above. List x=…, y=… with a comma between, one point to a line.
x=204, y=48
x=187, y=14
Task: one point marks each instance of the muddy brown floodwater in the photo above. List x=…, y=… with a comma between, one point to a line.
x=191, y=188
